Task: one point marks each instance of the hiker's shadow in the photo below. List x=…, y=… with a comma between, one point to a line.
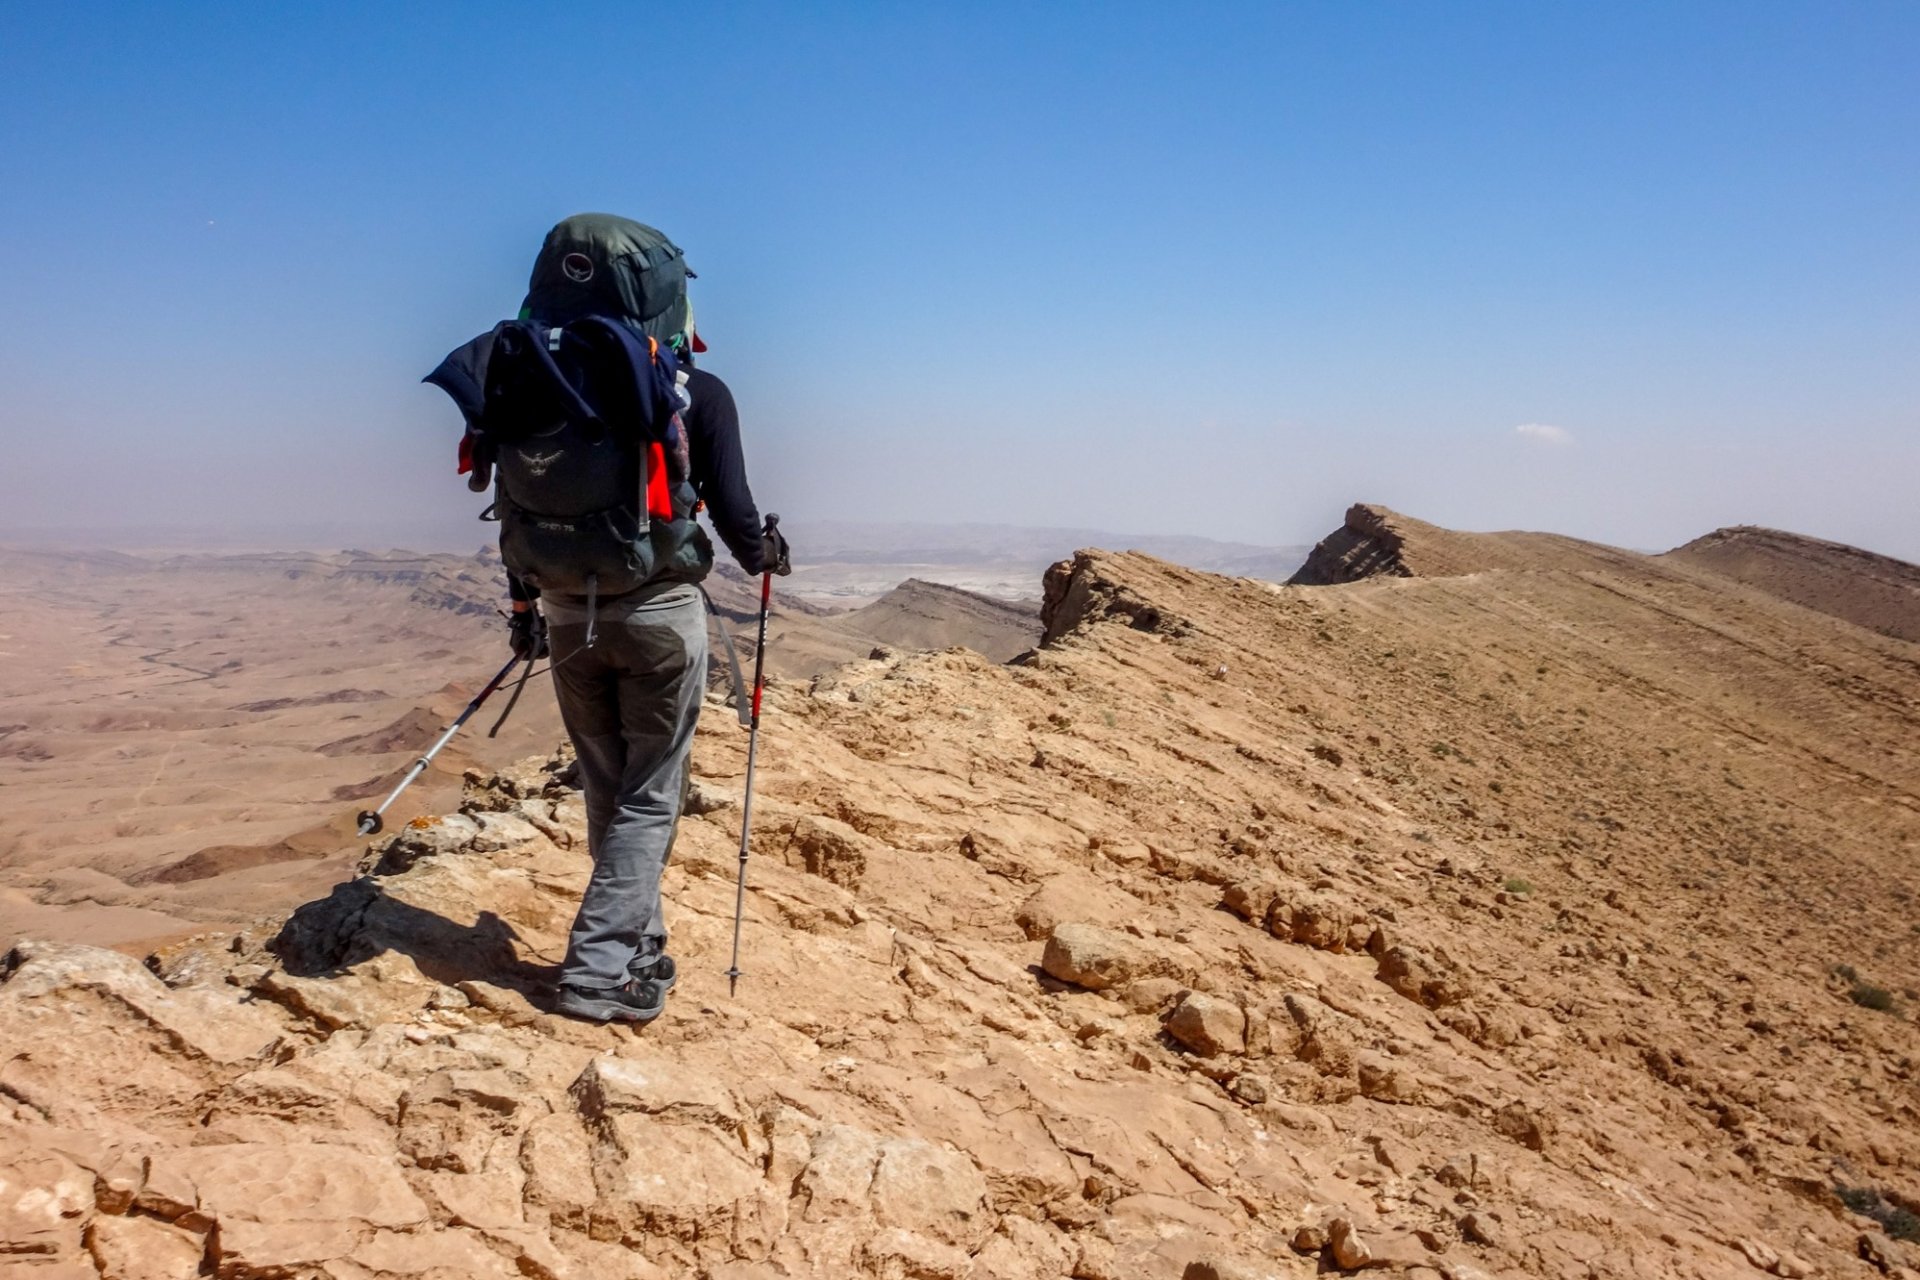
x=359, y=920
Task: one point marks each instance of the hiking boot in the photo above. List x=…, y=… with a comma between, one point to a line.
x=635, y=1000
x=660, y=969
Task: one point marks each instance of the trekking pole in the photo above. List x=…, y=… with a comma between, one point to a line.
x=369, y=820
x=753, y=743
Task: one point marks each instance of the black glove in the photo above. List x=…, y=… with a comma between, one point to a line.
x=775, y=556
x=527, y=634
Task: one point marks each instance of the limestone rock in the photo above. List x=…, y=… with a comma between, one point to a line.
x=1419, y=978
x=931, y=1190
x=1251, y=899
x=1529, y=1127
x=1073, y=895
x=1315, y=920
x=421, y=838
x=1215, y=1267
x=830, y=849
x=1095, y=958
x=1386, y=1079
x=1344, y=1245
x=199, y=1021
x=432, y=1254
x=704, y=797
x=1151, y=995
x=556, y=1156
x=297, y=1183
x=1208, y=1025
x=654, y=1085
x=43, y=1200
x=142, y=1249
x=839, y=1172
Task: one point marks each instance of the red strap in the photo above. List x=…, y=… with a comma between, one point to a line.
x=466, y=455
x=659, y=496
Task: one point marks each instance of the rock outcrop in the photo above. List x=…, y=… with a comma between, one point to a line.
x=1367, y=544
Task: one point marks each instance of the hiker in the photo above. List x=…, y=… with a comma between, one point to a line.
x=607, y=442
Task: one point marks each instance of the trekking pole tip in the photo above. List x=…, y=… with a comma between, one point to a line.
x=369, y=823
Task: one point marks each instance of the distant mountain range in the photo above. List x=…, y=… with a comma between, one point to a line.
x=843, y=563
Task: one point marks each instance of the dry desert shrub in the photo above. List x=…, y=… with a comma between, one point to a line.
x=1897, y=1220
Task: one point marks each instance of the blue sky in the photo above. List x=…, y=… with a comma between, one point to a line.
x=1216, y=269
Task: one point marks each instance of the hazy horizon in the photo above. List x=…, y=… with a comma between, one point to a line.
x=1624, y=275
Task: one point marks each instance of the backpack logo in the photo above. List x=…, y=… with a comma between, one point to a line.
x=538, y=463
x=578, y=267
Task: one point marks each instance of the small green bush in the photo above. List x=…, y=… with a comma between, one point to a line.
x=1518, y=887
x=1845, y=972
x=1897, y=1220
x=1868, y=996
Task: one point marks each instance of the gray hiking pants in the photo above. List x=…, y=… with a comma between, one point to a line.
x=630, y=704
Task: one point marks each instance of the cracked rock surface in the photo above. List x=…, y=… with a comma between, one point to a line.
x=1482, y=925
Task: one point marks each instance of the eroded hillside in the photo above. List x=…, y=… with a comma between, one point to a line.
x=1877, y=592
x=1519, y=923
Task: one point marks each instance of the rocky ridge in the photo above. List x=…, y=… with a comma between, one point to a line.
x=1500, y=925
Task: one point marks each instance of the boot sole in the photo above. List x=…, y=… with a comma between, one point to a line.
x=592, y=1010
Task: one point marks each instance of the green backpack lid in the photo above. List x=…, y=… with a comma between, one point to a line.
x=601, y=264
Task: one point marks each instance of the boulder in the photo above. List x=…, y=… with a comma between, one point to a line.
x=1095, y=958
x=1251, y=900
x=431, y=837
x=1525, y=1125
x=1348, y=1251
x=1208, y=1025
x=1315, y=920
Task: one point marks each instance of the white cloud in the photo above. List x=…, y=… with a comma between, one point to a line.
x=1544, y=434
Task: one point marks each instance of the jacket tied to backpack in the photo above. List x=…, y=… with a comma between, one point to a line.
x=579, y=428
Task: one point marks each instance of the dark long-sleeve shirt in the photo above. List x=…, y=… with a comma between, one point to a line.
x=720, y=468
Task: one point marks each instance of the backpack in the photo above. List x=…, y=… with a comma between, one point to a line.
x=599, y=264
x=574, y=410
x=579, y=427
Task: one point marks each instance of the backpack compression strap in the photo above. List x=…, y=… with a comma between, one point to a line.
x=740, y=701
